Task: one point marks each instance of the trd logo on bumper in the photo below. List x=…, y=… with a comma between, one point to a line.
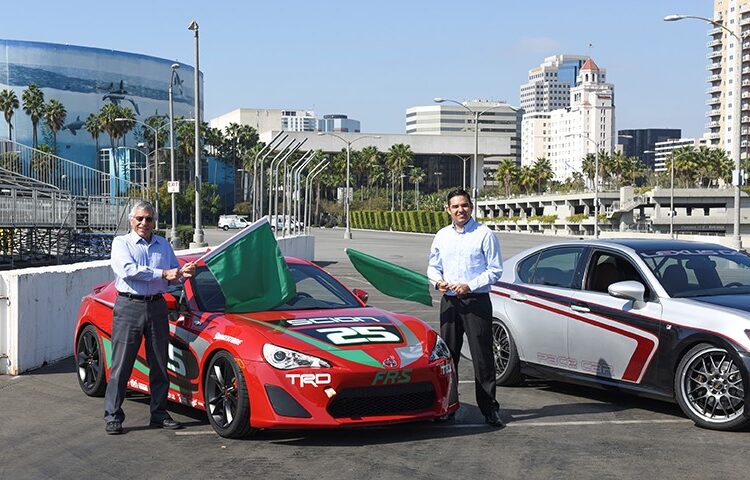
x=314, y=379
x=392, y=377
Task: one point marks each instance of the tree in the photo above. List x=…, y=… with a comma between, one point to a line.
x=543, y=171
x=416, y=175
x=54, y=117
x=527, y=178
x=93, y=125
x=588, y=165
x=33, y=106
x=108, y=116
x=397, y=158
x=8, y=105
x=506, y=171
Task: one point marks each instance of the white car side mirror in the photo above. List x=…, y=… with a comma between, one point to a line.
x=629, y=290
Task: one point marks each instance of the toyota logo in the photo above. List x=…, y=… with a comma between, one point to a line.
x=390, y=362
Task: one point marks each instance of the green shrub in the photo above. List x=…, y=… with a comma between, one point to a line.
x=578, y=218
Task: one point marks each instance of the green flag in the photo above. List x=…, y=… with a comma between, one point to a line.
x=391, y=279
x=251, y=270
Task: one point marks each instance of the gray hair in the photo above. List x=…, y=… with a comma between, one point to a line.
x=142, y=205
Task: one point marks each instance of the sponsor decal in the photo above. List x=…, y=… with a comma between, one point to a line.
x=314, y=379
x=673, y=253
x=357, y=335
x=392, y=377
x=302, y=322
x=228, y=338
x=390, y=362
x=446, y=369
x=557, y=360
x=133, y=383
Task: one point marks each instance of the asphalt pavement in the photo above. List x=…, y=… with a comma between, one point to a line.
x=50, y=429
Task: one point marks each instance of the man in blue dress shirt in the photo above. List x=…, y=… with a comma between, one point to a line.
x=464, y=262
x=144, y=264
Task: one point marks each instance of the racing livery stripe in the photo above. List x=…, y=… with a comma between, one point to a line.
x=645, y=347
x=138, y=365
x=356, y=356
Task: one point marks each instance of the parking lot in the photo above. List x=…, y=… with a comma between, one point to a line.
x=50, y=429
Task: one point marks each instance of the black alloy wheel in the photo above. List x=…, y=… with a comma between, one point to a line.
x=90, y=362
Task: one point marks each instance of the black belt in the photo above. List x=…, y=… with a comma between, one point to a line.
x=143, y=298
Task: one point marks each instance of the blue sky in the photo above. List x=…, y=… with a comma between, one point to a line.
x=372, y=60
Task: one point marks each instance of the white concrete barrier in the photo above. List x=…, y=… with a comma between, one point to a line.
x=39, y=306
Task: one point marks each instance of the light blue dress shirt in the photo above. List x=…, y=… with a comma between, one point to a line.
x=471, y=256
x=138, y=264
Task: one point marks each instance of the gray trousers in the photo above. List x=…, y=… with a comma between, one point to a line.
x=133, y=320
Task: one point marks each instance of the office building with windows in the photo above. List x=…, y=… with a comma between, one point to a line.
x=641, y=142
x=498, y=120
x=549, y=84
x=266, y=119
x=338, y=123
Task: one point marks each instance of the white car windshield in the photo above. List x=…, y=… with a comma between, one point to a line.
x=700, y=272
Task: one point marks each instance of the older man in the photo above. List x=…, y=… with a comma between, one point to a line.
x=144, y=264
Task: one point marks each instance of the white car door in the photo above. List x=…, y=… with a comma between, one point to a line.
x=607, y=336
x=537, y=305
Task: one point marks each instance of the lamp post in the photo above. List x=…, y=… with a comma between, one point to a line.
x=348, y=231
x=314, y=172
x=474, y=175
x=736, y=128
x=174, y=240
x=267, y=150
x=437, y=177
x=198, y=234
x=596, y=174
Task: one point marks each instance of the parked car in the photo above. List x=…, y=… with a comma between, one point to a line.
x=283, y=221
x=323, y=359
x=232, y=221
x=663, y=318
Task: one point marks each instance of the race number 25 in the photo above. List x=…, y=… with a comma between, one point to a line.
x=356, y=335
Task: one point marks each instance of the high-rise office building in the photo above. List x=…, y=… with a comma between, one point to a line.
x=566, y=135
x=338, y=123
x=498, y=119
x=549, y=84
x=724, y=57
x=641, y=142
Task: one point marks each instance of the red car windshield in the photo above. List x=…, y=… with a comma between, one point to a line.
x=316, y=289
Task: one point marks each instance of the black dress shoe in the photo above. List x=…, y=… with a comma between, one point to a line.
x=113, y=428
x=168, y=423
x=494, y=419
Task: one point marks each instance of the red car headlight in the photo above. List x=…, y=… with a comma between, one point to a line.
x=286, y=359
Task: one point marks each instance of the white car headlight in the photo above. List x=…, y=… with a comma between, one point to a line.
x=285, y=359
x=440, y=350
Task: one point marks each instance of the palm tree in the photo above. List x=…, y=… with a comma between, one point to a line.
x=527, y=177
x=506, y=171
x=108, y=117
x=416, y=175
x=93, y=125
x=588, y=165
x=54, y=117
x=8, y=105
x=370, y=162
x=397, y=158
x=543, y=170
x=33, y=106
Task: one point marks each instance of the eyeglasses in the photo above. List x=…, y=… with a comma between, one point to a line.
x=146, y=219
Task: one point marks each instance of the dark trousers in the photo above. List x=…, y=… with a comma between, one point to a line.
x=133, y=320
x=471, y=314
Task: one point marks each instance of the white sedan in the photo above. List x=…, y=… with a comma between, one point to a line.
x=662, y=318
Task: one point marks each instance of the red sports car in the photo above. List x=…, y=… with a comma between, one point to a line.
x=323, y=359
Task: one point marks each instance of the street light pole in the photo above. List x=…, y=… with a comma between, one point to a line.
x=348, y=230
x=198, y=234
x=174, y=240
x=736, y=133
x=475, y=163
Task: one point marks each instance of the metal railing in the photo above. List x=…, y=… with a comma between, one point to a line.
x=62, y=174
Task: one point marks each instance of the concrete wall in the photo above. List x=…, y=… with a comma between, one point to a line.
x=39, y=306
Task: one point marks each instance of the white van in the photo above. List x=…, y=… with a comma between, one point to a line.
x=232, y=221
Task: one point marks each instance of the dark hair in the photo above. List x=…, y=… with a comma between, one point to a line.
x=459, y=192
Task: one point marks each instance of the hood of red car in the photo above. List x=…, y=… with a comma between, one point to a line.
x=368, y=336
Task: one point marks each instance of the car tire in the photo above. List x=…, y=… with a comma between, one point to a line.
x=90, y=362
x=226, y=398
x=225, y=228
x=507, y=364
x=708, y=387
